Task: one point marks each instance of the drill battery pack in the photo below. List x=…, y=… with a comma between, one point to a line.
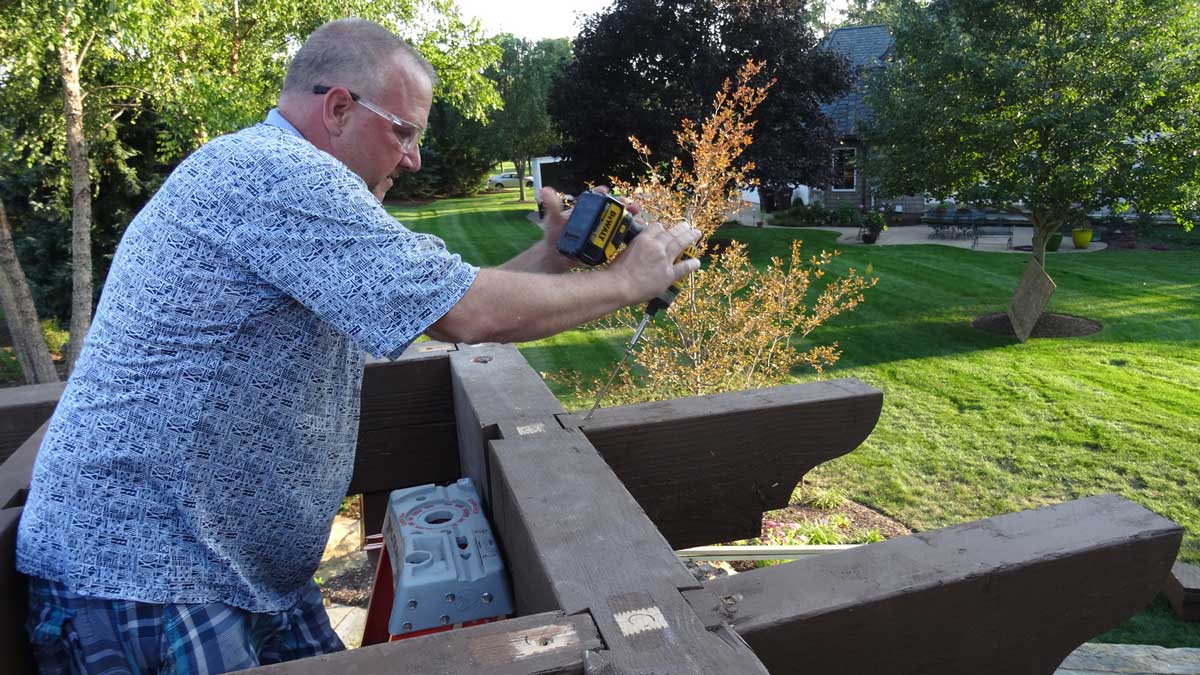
x=598, y=226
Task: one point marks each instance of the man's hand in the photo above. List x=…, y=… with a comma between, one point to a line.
x=555, y=220
x=648, y=264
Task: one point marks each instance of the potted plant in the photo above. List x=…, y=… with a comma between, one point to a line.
x=873, y=223
x=1053, y=242
x=1081, y=235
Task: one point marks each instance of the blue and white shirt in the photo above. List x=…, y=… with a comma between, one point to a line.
x=206, y=437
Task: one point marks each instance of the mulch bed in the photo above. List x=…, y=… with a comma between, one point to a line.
x=1049, y=326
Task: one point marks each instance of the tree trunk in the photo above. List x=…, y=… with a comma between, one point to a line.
x=237, y=40
x=520, y=166
x=20, y=314
x=81, y=197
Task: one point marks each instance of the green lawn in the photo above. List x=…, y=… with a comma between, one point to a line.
x=973, y=425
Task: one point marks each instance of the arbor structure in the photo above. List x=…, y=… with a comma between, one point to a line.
x=641, y=66
x=1066, y=106
x=523, y=129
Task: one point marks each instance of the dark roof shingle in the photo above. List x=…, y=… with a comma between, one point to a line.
x=864, y=47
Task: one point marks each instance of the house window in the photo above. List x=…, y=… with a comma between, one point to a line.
x=844, y=172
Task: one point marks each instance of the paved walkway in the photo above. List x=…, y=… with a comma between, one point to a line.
x=923, y=234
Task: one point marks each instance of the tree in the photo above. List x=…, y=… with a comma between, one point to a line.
x=1067, y=106
x=19, y=313
x=867, y=12
x=523, y=128
x=643, y=65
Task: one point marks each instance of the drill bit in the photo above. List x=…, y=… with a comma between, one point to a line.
x=613, y=375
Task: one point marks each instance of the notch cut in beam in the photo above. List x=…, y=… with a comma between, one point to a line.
x=739, y=454
x=1011, y=594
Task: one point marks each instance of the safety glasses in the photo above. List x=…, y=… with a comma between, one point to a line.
x=408, y=133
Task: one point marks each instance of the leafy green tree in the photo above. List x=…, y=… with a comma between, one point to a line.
x=641, y=66
x=522, y=128
x=1066, y=106
x=867, y=12
x=455, y=157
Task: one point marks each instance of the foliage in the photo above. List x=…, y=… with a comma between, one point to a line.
x=733, y=325
x=1061, y=105
x=56, y=338
x=456, y=155
x=867, y=12
x=822, y=498
x=522, y=129
x=836, y=530
x=641, y=66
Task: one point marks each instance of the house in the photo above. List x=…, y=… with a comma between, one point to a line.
x=867, y=48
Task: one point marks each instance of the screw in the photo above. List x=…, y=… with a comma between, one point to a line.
x=444, y=620
x=407, y=626
x=487, y=598
x=412, y=604
x=449, y=597
x=482, y=359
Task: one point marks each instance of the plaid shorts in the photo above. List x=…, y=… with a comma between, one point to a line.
x=79, y=635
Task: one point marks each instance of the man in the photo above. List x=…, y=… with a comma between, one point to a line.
x=186, y=484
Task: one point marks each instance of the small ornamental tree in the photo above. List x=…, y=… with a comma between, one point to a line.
x=734, y=325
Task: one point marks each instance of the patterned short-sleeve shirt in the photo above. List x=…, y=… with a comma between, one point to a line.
x=207, y=434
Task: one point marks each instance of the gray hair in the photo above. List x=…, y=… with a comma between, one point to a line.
x=349, y=53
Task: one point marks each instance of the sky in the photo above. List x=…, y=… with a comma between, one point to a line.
x=538, y=19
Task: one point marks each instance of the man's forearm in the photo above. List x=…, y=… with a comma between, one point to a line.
x=507, y=306
x=541, y=258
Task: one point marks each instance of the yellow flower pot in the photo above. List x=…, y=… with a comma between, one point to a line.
x=1081, y=238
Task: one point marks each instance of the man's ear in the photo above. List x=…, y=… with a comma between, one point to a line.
x=335, y=109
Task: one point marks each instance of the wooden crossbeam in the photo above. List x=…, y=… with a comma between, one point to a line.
x=1010, y=594
x=546, y=644
x=737, y=454
x=23, y=410
x=14, y=641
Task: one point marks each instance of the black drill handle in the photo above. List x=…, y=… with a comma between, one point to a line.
x=662, y=300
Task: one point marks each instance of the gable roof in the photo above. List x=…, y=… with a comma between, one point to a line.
x=864, y=47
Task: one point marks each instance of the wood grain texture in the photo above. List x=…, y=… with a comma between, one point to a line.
x=576, y=540
x=14, y=642
x=706, y=468
x=1183, y=591
x=1030, y=299
x=16, y=471
x=406, y=435
x=545, y=644
x=494, y=387
x=23, y=410
x=1011, y=594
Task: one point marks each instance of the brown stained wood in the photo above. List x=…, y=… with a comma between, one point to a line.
x=23, y=410
x=1183, y=591
x=545, y=644
x=406, y=435
x=1030, y=299
x=576, y=540
x=1011, y=594
x=496, y=392
x=16, y=471
x=14, y=642
x=706, y=468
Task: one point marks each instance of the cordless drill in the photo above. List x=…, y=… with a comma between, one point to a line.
x=599, y=225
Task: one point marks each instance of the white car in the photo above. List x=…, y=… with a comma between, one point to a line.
x=507, y=180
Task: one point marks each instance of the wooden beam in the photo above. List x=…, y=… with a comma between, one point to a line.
x=14, y=641
x=545, y=644
x=406, y=435
x=1183, y=591
x=23, y=410
x=575, y=539
x=495, y=387
x=1011, y=594
x=737, y=454
x=16, y=471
